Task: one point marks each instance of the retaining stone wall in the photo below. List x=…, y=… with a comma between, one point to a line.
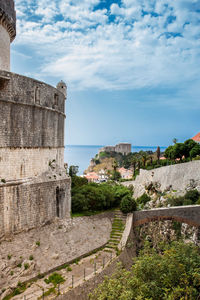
x=28, y=205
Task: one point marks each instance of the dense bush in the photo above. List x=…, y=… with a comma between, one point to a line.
x=142, y=200
x=127, y=204
x=190, y=198
x=96, y=197
x=171, y=273
x=188, y=149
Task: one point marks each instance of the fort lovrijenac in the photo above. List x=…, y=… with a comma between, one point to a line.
x=34, y=187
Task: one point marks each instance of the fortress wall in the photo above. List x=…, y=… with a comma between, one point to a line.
x=24, y=90
x=31, y=113
x=25, y=206
x=4, y=49
x=25, y=163
x=30, y=126
x=177, y=177
x=9, y=8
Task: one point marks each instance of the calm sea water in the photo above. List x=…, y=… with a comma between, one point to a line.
x=81, y=155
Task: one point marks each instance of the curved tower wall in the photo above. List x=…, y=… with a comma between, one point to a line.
x=4, y=49
x=7, y=31
x=31, y=128
x=34, y=186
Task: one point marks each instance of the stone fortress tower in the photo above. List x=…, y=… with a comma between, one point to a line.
x=34, y=186
x=7, y=32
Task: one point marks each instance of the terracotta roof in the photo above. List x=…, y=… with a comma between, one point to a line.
x=196, y=138
x=92, y=175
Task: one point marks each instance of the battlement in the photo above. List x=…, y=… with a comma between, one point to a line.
x=27, y=91
x=31, y=113
x=8, y=17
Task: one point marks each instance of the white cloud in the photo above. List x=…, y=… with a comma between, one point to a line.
x=135, y=50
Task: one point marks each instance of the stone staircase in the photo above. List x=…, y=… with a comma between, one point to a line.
x=118, y=226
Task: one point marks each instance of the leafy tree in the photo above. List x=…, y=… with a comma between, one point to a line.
x=115, y=175
x=142, y=200
x=175, y=140
x=73, y=170
x=127, y=204
x=195, y=151
x=190, y=144
x=169, y=152
x=78, y=181
x=171, y=273
x=180, y=150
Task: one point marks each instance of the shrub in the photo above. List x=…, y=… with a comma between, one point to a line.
x=55, y=279
x=128, y=204
x=142, y=200
x=173, y=273
x=37, y=243
x=193, y=195
x=26, y=266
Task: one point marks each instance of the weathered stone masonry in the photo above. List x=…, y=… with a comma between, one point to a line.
x=7, y=31
x=34, y=186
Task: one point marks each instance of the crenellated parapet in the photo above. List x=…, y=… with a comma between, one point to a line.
x=8, y=17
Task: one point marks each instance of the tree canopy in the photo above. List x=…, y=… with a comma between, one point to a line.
x=171, y=273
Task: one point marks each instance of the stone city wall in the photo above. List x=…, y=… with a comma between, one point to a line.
x=25, y=163
x=7, y=31
x=184, y=214
x=4, y=49
x=31, y=113
x=175, y=177
x=28, y=205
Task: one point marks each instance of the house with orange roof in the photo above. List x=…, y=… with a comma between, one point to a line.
x=92, y=177
x=125, y=173
x=196, y=138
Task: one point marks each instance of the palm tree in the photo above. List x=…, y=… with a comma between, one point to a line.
x=144, y=159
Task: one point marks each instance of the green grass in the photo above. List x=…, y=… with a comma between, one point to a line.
x=90, y=213
x=55, y=279
x=17, y=291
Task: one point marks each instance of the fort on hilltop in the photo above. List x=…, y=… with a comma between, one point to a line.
x=34, y=186
x=124, y=148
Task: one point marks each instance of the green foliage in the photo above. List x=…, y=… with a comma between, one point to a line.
x=188, y=149
x=195, y=151
x=190, y=198
x=37, y=243
x=26, y=266
x=73, y=170
x=69, y=269
x=55, y=279
x=21, y=287
x=97, y=197
x=142, y=200
x=78, y=181
x=171, y=273
x=115, y=175
x=31, y=257
x=127, y=204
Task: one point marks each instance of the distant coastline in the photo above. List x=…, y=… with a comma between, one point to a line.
x=80, y=155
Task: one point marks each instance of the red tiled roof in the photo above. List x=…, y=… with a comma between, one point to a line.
x=196, y=138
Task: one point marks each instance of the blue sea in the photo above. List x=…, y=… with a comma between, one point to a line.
x=80, y=155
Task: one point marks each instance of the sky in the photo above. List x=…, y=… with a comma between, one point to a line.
x=132, y=67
